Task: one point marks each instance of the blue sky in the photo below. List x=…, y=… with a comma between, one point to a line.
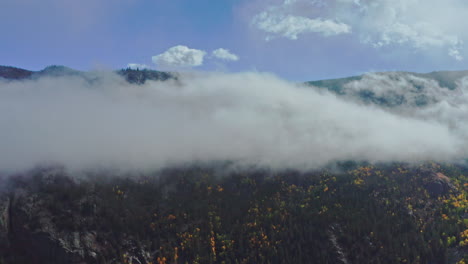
x=294, y=39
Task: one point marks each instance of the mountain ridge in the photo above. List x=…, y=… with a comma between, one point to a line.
x=446, y=78
x=383, y=89
x=131, y=75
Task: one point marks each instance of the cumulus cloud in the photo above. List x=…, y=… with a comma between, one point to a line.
x=416, y=24
x=455, y=53
x=290, y=26
x=135, y=66
x=225, y=54
x=248, y=118
x=180, y=56
x=419, y=24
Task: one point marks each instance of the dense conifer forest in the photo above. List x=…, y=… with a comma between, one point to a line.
x=352, y=214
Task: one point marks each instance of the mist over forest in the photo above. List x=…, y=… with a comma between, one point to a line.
x=100, y=120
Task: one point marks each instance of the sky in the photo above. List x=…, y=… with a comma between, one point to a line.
x=296, y=40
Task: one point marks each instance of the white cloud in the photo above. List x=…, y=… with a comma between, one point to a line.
x=135, y=66
x=179, y=56
x=455, y=53
x=421, y=25
x=225, y=54
x=290, y=26
x=249, y=118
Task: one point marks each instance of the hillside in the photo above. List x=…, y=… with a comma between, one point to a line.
x=393, y=89
x=363, y=214
x=446, y=79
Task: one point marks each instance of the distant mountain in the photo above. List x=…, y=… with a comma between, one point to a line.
x=131, y=75
x=446, y=79
x=58, y=70
x=385, y=89
x=13, y=73
x=391, y=89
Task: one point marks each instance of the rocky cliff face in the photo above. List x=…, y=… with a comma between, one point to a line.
x=4, y=223
x=439, y=184
x=36, y=227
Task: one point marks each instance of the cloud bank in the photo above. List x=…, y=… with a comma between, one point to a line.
x=248, y=118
